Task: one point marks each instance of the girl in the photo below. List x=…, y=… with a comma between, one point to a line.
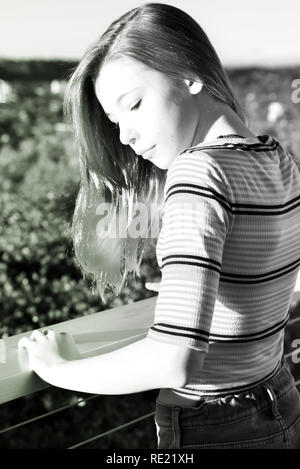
x=157, y=123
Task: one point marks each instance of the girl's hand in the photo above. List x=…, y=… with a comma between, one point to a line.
x=154, y=286
x=47, y=349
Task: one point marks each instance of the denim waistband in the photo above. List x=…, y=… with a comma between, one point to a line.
x=276, y=386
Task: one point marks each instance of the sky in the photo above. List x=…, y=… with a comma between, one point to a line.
x=244, y=32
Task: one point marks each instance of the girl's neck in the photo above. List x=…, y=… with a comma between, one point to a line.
x=215, y=119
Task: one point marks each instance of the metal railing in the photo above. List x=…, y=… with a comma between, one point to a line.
x=93, y=335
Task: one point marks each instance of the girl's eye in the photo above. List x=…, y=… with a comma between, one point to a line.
x=136, y=106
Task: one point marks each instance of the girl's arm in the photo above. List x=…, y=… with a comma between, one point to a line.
x=140, y=366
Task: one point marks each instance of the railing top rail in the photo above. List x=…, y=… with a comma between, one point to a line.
x=93, y=334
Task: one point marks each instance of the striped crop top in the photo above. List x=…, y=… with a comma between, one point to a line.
x=229, y=255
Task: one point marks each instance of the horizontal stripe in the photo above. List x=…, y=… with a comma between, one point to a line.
x=195, y=186
x=252, y=209
x=283, y=270
x=228, y=278
x=235, y=278
x=198, y=333
x=250, y=339
x=185, y=191
x=270, y=145
x=196, y=264
x=196, y=337
x=270, y=207
x=264, y=213
x=187, y=256
x=255, y=281
x=190, y=329
x=275, y=327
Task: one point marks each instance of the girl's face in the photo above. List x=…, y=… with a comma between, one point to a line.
x=156, y=117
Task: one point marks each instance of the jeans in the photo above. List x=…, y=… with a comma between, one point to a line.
x=265, y=416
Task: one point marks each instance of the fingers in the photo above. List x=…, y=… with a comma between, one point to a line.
x=24, y=347
x=38, y=336
x=28, y=342
x=24, y=343
x=43, y=336
x=51, y=334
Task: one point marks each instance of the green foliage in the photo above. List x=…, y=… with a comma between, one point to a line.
x=39, y=279
x=257, y=89
x=41, y=70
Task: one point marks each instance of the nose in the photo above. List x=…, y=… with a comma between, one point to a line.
x=127, y=135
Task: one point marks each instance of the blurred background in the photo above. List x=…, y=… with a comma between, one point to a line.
x=40, y=42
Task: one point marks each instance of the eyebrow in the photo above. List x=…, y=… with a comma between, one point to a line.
x=123, y=96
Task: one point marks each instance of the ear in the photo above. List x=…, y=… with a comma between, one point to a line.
x=194, y=87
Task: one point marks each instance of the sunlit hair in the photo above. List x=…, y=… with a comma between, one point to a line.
x=167, y=40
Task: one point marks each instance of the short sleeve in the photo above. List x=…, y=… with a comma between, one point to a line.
x=197, y=218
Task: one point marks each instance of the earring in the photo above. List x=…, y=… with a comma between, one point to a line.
x=195, y=86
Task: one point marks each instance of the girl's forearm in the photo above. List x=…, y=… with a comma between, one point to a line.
x=137, y=367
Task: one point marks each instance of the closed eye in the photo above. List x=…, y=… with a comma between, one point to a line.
x=136, y=106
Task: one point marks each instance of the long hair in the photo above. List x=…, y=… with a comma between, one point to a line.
x=115, y=182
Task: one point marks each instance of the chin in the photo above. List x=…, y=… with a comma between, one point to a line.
x=159, y=166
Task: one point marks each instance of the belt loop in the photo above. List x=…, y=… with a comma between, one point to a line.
x=175, y=425
x=273, y=400
x=277, y=415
